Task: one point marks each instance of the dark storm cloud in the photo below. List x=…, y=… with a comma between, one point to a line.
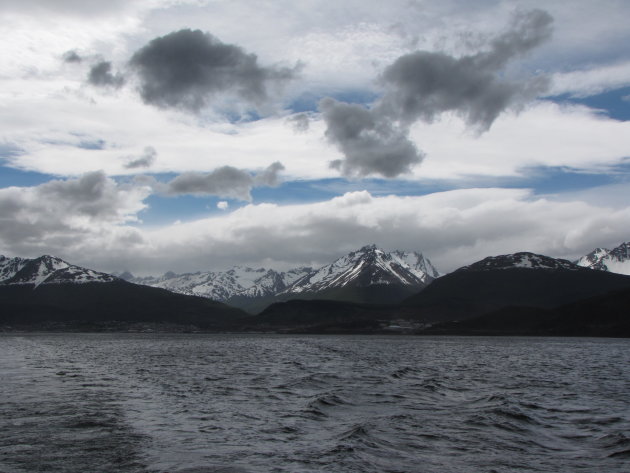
x=421, y=86
x=186, y=68
x=226, y=181
x=371, y=143
x=144, y=161
x=101, y=75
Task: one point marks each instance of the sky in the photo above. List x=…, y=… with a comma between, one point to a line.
x=195, y=135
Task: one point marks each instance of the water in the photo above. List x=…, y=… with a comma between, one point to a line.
x=265, y=403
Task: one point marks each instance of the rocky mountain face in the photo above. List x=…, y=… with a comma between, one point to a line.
x=367, y=267
x=47, y=270
x=616, y=260
x=225, y=285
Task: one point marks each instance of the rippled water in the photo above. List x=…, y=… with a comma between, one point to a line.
x=265, y=403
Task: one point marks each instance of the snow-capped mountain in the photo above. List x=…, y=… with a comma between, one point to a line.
x=366, y=267
x=616, y=260
x=46, y=270
x=223, y=286
x=369, y=266
x=523, y=259
x=519, y=280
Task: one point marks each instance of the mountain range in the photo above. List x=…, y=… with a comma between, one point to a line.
x=616, y=260
x=369, y=274
x=368, y=290
x=48, y=293
x=519, y=292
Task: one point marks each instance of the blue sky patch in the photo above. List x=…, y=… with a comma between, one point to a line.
x=614, y=103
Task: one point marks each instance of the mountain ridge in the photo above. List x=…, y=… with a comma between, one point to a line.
x=519, y=293
x=616, y=260
x=393, y=276
x=47, y=269
x=47, y=292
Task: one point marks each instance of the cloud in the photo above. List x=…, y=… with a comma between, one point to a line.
x=53, y=214
x=67, y=7
x=300, y=122
x=222, y=205
x=591, y=81
x=423, y=85
x=188, y=68
x=452, y=228
x=144, y=161
x=226, y=181
x=269, y=177
x=93, y=195
x=71, y=56
x=371, y=144
x=101, y=76
x=86, y=221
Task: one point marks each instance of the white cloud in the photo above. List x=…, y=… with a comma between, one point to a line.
x=51, y=113
x=452, y=228
x=222, y=205
x=545, y=134
x=592, y=81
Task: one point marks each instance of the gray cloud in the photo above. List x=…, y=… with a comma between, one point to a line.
x=146, y=160
x=187, y=68
x=101, y=75
x=80, y=8
x=421, y=86
x=300, y=122
x=269, y=177
x=226, y=182
x=59, y=213
x=71, y=56
x=371, y=143
x=92, y=195
x=528, y=30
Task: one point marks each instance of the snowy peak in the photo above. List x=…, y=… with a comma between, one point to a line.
x=369, y=266
x=616, y=260
x=364, y=267
x=593, y=259
x=9, y=267
x=47, y=270
x=524, y=260
x=224, y=285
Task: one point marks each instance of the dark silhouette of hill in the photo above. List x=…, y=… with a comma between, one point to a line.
x=606, y=315
x=99, y=303
x=475, y=290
